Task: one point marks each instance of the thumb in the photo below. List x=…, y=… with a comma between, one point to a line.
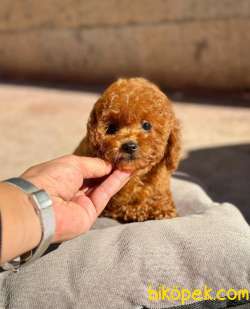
x=108, y=188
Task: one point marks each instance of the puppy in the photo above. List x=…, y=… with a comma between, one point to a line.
x=133, y=126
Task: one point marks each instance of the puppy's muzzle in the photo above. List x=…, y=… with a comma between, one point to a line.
x=129, y=147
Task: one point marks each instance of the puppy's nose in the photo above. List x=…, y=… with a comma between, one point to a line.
x=129, y=147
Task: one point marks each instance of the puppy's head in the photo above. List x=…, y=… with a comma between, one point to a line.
x=133, y=126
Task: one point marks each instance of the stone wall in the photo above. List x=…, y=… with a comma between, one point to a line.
x=178, y=43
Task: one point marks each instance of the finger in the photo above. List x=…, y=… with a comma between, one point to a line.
x=93, y=167
x=89, y=213
x=90, y=167
x=103, y=193
x=73, y=218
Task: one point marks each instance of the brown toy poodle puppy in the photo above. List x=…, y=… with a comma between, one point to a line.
x=133, y=126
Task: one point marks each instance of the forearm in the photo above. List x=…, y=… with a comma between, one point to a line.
x=20, y=225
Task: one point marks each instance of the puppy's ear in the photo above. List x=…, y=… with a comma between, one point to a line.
x=84, y=148
x=173, y=147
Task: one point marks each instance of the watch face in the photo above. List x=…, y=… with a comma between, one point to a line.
x=43, y=207
x=41, y=199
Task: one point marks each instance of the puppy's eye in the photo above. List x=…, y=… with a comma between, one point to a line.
x=112, y=128
x=146, y=125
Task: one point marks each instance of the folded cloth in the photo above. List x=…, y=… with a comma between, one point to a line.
x=127, y=265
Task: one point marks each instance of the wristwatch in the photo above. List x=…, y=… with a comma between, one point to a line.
x=43, y=207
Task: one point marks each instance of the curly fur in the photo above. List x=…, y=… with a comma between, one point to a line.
x=126, y=104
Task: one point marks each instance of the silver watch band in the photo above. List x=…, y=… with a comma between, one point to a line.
x=43, y=207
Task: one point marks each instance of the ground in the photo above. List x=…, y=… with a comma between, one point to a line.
x=40, y=123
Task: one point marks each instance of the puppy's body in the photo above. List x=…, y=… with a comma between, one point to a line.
x=134, y=127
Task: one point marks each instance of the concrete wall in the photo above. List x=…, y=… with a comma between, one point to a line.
x=178, y=43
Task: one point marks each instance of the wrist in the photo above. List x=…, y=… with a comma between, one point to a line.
x=21, y=227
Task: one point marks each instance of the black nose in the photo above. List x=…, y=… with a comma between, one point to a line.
x=129, y=147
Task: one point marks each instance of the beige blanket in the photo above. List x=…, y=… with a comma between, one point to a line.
x=126, y=266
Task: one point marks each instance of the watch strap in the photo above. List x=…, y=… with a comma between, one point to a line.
x=43, y=207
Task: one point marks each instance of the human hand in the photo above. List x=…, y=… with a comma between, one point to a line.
x=75, y=206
